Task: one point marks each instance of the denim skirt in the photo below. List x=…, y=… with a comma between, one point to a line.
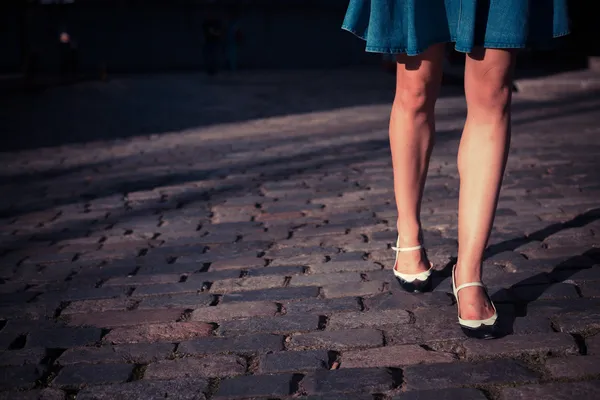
x=411, y=26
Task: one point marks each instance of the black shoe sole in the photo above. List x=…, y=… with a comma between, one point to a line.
x=483, y=332
x=412, y=287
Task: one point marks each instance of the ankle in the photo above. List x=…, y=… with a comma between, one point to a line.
x=409, y=235
x=466, y=273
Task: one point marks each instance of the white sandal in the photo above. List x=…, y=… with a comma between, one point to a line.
x=420, y=282
x=476, y=328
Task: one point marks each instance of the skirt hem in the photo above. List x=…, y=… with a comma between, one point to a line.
x=457, y=47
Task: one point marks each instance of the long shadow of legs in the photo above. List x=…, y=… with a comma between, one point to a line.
x=521, y=294
x=513, y=301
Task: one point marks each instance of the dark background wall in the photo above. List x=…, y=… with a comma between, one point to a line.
x=149, y=36
x=153, y=36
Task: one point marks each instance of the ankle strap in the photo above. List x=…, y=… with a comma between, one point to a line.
x=407, y=248
x=465, y=285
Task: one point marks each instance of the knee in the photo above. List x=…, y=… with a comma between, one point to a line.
x=414, y=99
x=490, y=93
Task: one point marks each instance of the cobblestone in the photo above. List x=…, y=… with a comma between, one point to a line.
x=349, y=380
x=186, y=389
x=574, y=367
x=253, y=240
x=111, y=319
x=279, y=324
x=209, y=367
x=553, y=391
x=75, y=376
x=224, y=312
x=393, y=356
x=255, y=386
x=448, y=375
x=336, y=340
x=169, y=332
x=367, y=319
x=516, y=345
x=142, y=353
x=241, y=344
x=291, y=361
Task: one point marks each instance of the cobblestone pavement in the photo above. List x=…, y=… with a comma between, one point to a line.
x=250, y=259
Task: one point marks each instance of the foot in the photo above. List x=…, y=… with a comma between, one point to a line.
x=474, y=303
x=412, y=262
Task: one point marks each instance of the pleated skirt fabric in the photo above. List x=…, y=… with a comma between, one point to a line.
x=411, y=26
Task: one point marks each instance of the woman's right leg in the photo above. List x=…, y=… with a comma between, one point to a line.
x=412, y=129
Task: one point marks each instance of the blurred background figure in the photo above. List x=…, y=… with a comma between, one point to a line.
x=67, y=56
x=234, y=39
x=213, y=31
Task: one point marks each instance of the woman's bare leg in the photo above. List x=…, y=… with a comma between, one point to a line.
x=481, y=162
x=412, y=127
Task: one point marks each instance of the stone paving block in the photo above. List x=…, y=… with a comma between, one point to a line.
x=591, y=274
x=98, y=306
x=325, y=279
x=587, y=323
x=164, y=289
x=20, y=377
x=22, y=357
x=39, y=394
x=344, y=266
x=224, y=312
x=589, y=289
x=393, y=356
x=83, y=294
x=247, y=284
x=164, y=268
x=278, y=324
x=110, y=319
x=16, y=298
x=556, y=291
x=431, y=325
x=336, y=396
x=287, y=271
x=50, y=258
x=63, y=337
x=236, y=264
x=216, y=366
x=336, y=340
x=444, y=394
x=448, y=375
x=240, y=344
x=554, y=307
x=350, y=255
x=180, y=301
x=139, y=280
x=532, y=324
x=312, y=231
x=553, y=391
x=515, y=345
x=169, y=332
x=398, y=299
x=142, y=353
x=78, y=375
x=275, y=294
x=321, y=306
x=349, y=380
x=255, y=386
x=352, y=320
x=574, y=367
x=292, y=361
x=353, y=289
x=592, y=345
x=213, y=276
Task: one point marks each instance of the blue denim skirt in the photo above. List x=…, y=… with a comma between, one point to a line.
x=411, y=26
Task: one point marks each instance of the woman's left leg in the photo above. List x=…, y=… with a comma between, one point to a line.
x=482, y=159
